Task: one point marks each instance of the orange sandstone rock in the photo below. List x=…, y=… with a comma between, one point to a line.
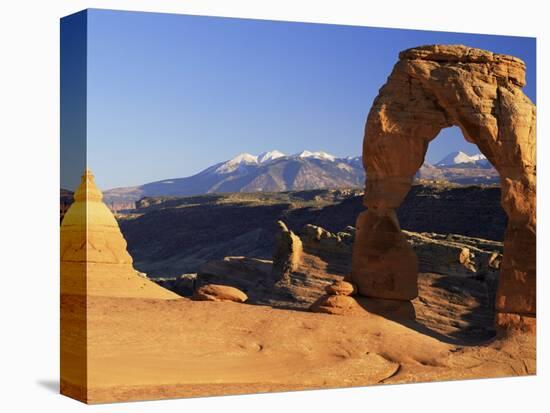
x=511, y=323
x=341, y=288
x=334, y=304
x=94, y=259
x=215, y=292
x=288, y=252
x=429, y=89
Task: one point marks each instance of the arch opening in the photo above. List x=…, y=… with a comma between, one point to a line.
x=450, y=157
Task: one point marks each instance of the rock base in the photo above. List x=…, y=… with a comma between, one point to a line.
x=335, y=304
x=392, y=309
x=508, y=323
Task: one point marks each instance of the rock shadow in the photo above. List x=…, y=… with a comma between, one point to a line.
x=454, y=310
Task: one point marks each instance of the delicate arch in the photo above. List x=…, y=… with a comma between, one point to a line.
x=431, y=88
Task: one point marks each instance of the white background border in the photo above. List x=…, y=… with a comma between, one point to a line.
x=29, y=173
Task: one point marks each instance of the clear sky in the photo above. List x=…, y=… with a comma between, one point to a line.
x=169, y=95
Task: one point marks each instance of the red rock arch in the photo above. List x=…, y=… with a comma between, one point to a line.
x=431, y=88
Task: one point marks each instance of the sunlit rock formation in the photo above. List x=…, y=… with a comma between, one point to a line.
x=288, y=252
x=431, y=88
x=337, y=299
x=94, y=259
x=215, y=292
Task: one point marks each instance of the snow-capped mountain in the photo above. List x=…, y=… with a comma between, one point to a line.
x=271, y=171
x=269, y=156
x=460, y=159
x=275, y=171
x=246, y=159
x=316, y=155
x=236, y=163
x=460, y=168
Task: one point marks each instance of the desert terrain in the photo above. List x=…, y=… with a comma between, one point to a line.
x=141, y=349
x=174, y=346
x=168, y=236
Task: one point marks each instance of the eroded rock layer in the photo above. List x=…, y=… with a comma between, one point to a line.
x=431, y=88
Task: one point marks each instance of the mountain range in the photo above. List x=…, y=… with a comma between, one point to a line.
x=462, y=160
x=275, y=171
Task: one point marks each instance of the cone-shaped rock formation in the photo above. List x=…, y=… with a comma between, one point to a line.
x=94, y=259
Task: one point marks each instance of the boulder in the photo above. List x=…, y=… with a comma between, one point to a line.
x=216, y=292
x=182, y=285
x=334, y=304
x=314, y=233
x=318, y=239
x=341, y=288
x=252, y=275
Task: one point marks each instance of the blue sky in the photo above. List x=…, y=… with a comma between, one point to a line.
x=169, y=95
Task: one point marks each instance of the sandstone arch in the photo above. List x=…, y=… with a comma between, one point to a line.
x=431, y=88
